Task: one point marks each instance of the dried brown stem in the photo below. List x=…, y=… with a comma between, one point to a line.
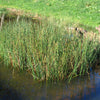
x=2, y=20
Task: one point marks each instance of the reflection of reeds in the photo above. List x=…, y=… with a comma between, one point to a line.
x=47, y=51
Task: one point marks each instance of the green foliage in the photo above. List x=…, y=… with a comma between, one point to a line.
x=85, y=12
x=48, y=51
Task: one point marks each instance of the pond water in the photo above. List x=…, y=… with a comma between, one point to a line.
x=20, y=86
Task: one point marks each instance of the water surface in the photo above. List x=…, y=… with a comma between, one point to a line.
x=20, y=86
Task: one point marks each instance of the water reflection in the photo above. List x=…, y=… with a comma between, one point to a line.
x=20, y=86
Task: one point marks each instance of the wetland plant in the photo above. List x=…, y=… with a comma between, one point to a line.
x=48, y=52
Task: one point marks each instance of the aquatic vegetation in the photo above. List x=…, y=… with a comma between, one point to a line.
x=47, y=51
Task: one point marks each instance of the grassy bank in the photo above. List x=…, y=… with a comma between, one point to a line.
x=47, y=51
x=85, y=12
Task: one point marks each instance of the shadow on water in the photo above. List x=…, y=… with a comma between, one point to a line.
x=20, y=86
x=7, y=93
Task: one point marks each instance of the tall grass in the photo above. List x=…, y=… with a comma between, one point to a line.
x=47, y=51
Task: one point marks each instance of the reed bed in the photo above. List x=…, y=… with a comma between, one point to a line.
x=47, y=51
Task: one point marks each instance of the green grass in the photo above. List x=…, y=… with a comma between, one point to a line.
x=86, y=12
x=47, y=51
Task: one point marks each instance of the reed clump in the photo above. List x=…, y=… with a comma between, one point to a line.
x=47, y=51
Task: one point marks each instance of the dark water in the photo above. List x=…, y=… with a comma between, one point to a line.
x=20, y=86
